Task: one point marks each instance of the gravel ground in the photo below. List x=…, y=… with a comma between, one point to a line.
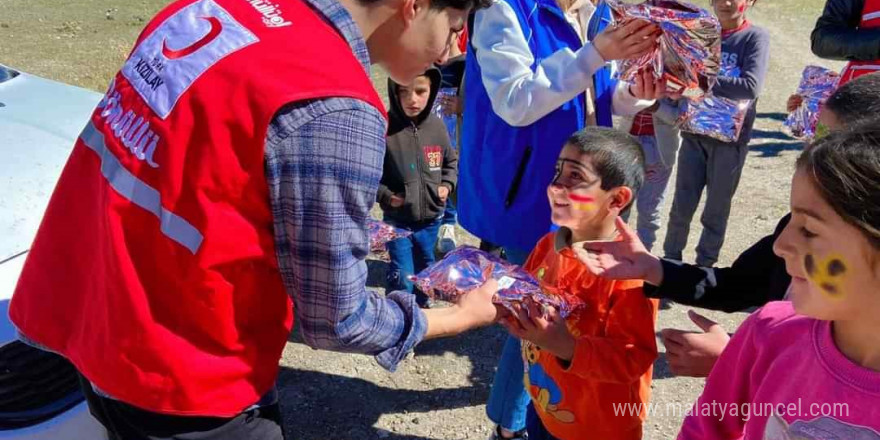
x=441, y=391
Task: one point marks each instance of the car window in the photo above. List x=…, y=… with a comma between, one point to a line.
x=6, y=74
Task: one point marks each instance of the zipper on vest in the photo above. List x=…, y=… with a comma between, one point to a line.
x=517, y=178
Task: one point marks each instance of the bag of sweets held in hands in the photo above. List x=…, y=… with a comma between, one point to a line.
x=467, y=268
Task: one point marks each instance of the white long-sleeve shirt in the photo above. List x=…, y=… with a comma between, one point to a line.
x=521, y=96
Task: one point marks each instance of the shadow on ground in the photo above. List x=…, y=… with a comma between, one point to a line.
x=661, y=368
x=332, y=401
x=776, y=116
x=774, y=149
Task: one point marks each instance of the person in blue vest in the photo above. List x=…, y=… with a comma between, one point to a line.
x=537, y=71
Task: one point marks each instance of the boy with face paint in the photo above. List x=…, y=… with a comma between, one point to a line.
x=577, y=368
x=756, y=277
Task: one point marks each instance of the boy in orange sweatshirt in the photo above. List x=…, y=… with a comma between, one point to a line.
x=585, y=372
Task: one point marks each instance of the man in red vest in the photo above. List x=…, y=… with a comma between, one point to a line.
x=230, y=167
x=849, y=30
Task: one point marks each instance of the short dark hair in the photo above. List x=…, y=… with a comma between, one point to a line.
x=845, y=167
x=461, y=5
x=856, y=100
x=617, y=157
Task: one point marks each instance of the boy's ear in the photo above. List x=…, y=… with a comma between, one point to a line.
x=621, y=197
x=410, y=8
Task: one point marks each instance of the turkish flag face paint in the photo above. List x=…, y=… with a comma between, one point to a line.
x=582, y=203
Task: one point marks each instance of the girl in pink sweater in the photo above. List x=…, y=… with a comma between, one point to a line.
x=809, y=369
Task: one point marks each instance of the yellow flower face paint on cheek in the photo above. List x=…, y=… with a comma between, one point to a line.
x=828, y=274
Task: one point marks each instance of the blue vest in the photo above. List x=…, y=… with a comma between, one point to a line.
x=504, y=171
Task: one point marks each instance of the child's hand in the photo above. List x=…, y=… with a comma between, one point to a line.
x=691, y=353
x=627, y=259
x=550, y=332
x=443, y=192
x=646, y=87
x=626, y=41
x=794, y=101
x=396, y=201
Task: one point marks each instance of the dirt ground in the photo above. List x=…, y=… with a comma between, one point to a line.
x=441, y=392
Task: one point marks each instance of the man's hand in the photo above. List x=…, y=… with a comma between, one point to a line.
x=626, y=259
x=443, y=192
x=477, y=306
x=546, y=330
x=794, y=101
x=396, y=201
x=473, y=310
x=630, y=40
x=692, y=353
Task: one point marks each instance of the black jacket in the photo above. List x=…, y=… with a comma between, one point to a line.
x=418, y=160
x=757, y=277
x=837, y=36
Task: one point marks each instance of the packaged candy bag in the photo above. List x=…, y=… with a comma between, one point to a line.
x=817, y=84
x=467, y=268
x=689, y=53
x=381, y=234
x=714, y=116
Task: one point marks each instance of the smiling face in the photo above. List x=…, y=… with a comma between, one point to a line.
x=832, y=264
x=577, y=200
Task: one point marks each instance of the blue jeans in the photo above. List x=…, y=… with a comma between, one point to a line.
x=450, y=215
x=508, y=399
x=535, y=427
x=412, y=254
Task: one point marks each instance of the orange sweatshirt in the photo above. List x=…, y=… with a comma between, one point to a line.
x=613, y=358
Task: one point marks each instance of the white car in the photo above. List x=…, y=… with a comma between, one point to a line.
x=39, y=122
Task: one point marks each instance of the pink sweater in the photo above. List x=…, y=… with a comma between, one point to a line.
x=785, y=370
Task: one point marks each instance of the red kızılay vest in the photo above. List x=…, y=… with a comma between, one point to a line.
x=870, y=20
x=154, y=269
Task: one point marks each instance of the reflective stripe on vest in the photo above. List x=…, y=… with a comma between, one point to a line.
x=140, y=193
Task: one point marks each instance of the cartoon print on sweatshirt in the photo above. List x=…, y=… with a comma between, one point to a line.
x=545, y=393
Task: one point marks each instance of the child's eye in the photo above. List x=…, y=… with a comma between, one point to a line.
x=807, y=233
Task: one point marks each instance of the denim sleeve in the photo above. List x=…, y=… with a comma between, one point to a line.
x=323, y=164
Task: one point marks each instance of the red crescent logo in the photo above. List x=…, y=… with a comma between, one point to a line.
x=216, y=29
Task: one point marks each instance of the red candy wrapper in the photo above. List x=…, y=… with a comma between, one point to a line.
x=817, y=84
x=381, y=234
x=467, y=268
x=689, y=53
